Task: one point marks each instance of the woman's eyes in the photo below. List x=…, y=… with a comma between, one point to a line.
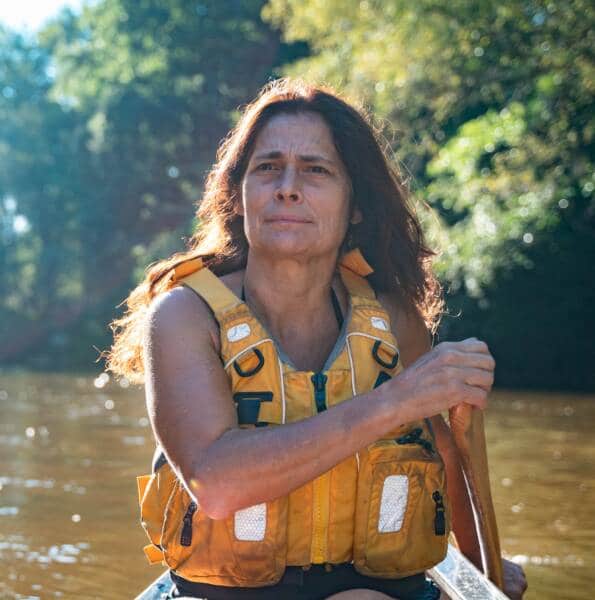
x=271, y=166
x=322, y=169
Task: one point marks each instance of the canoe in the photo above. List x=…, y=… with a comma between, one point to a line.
x=456, y=576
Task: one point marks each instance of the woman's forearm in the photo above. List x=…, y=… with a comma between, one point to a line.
x=248, y=466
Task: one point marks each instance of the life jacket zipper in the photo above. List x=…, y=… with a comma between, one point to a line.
x=319, y=381
x=439, y=520
x=320, y=485
x=186, y=537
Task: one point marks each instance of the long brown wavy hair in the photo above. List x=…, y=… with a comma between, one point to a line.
x=389, y=236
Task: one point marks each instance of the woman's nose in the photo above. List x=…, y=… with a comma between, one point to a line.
x=288, y=188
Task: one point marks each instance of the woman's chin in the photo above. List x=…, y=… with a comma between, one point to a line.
x=285, y=246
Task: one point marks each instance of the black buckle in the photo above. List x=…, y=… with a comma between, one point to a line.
x=253, y=371
x=248, y=407
x=391, y=365
x=382, y=377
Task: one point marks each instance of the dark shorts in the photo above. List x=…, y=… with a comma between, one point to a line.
x=314, y=584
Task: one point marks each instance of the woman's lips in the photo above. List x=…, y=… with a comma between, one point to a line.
x=287, y=219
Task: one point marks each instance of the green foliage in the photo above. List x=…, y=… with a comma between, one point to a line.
x=109, y=122
x=490, y=107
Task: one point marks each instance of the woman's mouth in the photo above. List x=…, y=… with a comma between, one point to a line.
x=287, y=219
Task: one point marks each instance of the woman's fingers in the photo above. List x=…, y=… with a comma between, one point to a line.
x=515, y=583
x=469, y=359
x=474, y=395
x=482, y=378
x=466, y=345
x=452, y=373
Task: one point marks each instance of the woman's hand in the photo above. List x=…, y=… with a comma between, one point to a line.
x=450, y=373
x=515, y=583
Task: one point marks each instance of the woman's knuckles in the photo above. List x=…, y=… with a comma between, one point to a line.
x=447, y=355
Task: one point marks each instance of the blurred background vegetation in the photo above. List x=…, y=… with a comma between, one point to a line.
x=110, y=119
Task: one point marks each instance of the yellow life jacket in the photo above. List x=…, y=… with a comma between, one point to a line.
x=384, y=508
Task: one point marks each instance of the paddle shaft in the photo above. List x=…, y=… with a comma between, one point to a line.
x=467, y=426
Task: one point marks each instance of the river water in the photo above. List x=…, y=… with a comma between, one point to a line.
x=71, y=447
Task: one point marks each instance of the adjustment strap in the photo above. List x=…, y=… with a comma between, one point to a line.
x=187, y=267
x=354, y=261
x=208, y=286
x=354, y=269
x=356, y=285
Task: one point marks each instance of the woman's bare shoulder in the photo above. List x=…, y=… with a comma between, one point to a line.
x=408, y=326
x=177, y=310
x=182, y=309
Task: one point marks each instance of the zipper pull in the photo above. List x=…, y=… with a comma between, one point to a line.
x=411, y=437
x=186, y=537
x=426, y=445
x=440, y=520
x=319, y=381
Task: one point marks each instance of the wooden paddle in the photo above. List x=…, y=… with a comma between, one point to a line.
x=466, y=423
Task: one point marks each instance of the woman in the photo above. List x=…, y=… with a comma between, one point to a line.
x=286, y=358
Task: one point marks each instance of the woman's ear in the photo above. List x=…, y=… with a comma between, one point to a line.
x=356, y=216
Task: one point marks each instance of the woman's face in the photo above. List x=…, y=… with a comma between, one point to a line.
x=296, y=190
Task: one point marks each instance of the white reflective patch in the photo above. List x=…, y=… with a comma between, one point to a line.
x=250, y=523
x=379, y=323
x=393, y=503
x=238, y=332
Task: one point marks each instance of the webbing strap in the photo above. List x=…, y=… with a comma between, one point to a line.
x=354, y=261
x=353, y=269
x=356, y=285
x=217, y=295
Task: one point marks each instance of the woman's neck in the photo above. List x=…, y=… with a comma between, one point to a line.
x=276, y=288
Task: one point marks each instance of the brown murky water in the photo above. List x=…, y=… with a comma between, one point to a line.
x=70, y=448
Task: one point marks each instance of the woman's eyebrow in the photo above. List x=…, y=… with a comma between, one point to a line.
x=302, y=157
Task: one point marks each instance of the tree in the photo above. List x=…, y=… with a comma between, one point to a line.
x=118, y=114
x=489, y=108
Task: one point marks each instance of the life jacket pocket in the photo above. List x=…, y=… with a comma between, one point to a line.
x=402, y=514
x=247, y=549
x=154, y=493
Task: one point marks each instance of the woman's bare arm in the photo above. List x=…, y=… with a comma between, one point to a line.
x=226, y=468
x=191, y=408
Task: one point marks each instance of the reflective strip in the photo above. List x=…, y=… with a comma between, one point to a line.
x=393, y=503
x=238, y=332
x=250, y=523
x=282, y=384
x=379, y=323
x=352, y=369
x=351, y=366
